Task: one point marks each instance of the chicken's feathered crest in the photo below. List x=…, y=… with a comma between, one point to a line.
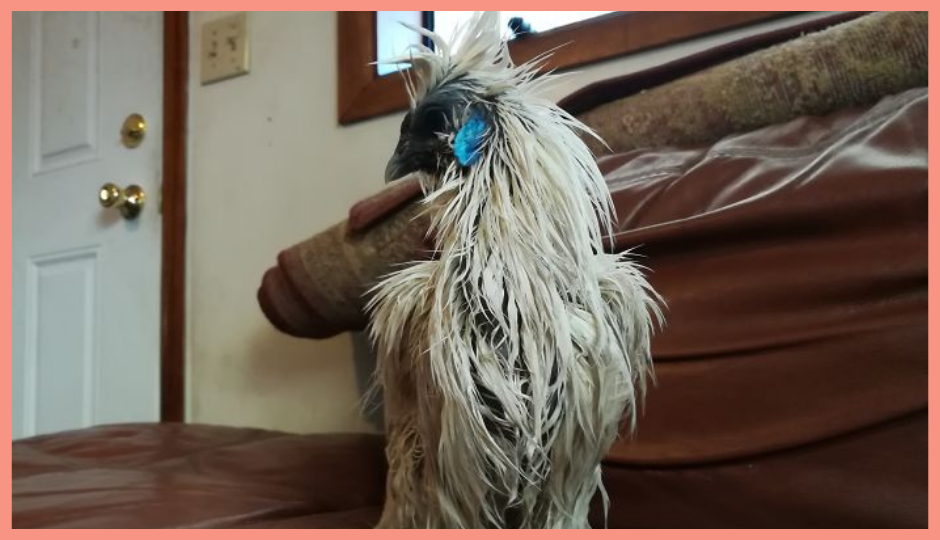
x=477, y=48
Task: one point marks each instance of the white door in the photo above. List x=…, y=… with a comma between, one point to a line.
x=86, y=281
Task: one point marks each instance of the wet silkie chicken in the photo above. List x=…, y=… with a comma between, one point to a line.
x=509, y=362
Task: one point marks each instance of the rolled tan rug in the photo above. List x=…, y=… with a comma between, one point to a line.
x=848, y=65
x=317, y=288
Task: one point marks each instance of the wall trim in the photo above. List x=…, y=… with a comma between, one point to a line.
x=173, y=203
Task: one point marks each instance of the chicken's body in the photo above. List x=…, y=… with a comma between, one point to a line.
x=509, y=361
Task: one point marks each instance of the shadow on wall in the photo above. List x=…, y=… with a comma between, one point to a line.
x=364, y=360
x=284, y=371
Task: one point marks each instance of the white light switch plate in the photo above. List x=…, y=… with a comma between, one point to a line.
x=224, y=48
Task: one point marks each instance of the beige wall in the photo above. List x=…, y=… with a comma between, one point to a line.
x=269, y=166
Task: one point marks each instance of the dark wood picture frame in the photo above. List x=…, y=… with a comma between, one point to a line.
x=363, y=94
x=173, y=207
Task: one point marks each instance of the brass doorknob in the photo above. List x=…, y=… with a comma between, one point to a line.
x=130, y=201
x=133, y=130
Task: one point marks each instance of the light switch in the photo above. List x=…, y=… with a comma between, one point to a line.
x=225, y=48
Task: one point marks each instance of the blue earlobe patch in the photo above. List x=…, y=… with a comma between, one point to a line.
x=468, y=140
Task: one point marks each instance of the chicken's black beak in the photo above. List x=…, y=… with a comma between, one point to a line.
x=415, y=154
x=394, y=169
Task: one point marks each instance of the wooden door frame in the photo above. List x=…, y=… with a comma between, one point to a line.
x=173, y=208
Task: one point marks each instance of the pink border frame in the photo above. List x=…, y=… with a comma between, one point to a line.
x=5, y=267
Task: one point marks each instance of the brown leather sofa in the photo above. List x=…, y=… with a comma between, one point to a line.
x=791, y=377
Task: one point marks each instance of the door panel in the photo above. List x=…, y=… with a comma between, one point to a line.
x=64, y=81
x=60, y=340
